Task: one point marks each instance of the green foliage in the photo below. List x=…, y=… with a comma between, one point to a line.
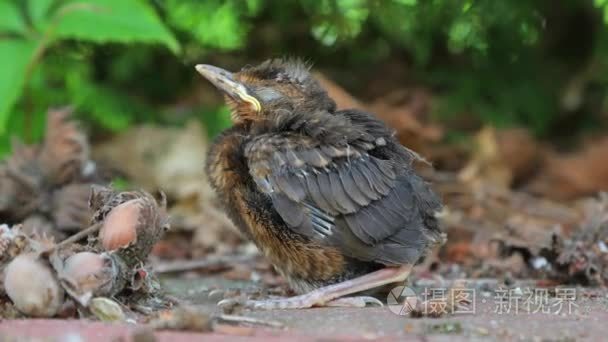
x=121, y=184
x=603, y=5
x=14, y=61
x=336, y=19
x=216, y=120
x=123, y=21
x=28, y=30
x=119, y=62
x=213, y=24
x=105, y=106
x=10, y=19
x=39, y=13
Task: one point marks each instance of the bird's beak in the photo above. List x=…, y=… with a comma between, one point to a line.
x=224, y=81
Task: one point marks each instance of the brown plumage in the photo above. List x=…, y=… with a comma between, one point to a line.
x=328, y=196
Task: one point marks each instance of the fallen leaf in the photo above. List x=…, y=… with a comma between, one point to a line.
x=577, y=174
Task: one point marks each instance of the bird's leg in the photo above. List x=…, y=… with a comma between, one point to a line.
x=353, y=302
x=330, y=295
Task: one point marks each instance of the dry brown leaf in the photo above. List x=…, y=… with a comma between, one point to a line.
x=20, y=182
x=38, y=225
x=487, y=164
x=520, y=152
x=182, y=318
x=502, y=157
x=45, y=186
x=167, y=158
x=406, y=111
x=582, y=173
x=70, y=210
x=403, y=110
x=344, y=100
x=217, y=233
x=65, y=151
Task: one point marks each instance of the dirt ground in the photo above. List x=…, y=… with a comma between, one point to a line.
x=488, y=320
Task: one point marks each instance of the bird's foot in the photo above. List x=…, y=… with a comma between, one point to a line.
x=354, y=302
x=298, y=302
x=331, y=295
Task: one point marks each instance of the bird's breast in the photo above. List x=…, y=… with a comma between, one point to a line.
x=294, y=255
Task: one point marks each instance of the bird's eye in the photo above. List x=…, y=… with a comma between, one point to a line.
x=268, y=94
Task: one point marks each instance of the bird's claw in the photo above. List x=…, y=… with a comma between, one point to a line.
x=216, y=294
x=229, y=304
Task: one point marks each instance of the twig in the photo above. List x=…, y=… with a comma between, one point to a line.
x=74, y=238
x=249, y=320
x=208, y=262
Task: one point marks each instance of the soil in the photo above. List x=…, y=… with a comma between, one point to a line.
x=488, y=322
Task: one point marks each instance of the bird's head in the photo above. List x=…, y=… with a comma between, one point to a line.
x=275, y=86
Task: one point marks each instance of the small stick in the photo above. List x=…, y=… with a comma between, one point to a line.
x=74, y=238
x=208, y=262
x=249, y=320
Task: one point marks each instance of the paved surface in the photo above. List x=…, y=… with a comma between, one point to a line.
x=493, y=319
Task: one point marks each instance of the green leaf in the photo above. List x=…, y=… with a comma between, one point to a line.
x=337, y=20
x=254, y=6
x=39, y=12
x=326, y=33
x=122, y=21
x=216, y=120
x=213, y=23
x=121, y=184
x=406, y=2
x=463, y=34
x=105, y=106
x=11, y=19
x=15, y=56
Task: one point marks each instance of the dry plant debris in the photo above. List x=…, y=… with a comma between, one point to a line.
x=187, y=318
x=580, y=257
x=171, y=158
x=569, y=176
x=46, y=186
x=40, y=278
x=496, y=232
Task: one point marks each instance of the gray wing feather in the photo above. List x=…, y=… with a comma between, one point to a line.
x=365, y=206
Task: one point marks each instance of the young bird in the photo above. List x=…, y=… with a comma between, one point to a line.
x=329, y=196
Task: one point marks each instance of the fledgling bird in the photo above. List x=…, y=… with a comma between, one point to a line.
x=329, y=196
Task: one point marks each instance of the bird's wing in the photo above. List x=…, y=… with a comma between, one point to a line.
x=340, y=194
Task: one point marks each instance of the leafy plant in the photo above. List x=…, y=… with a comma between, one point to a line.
x=31, y=29
x=120, y=62
x=213, y=24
